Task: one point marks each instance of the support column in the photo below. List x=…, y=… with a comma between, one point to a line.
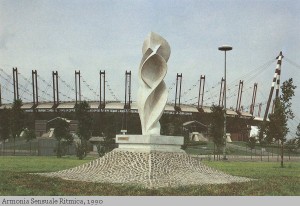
x=35, y=94
x=127, y=90
x=222, y=92
x=102, y=89
x=127, y=105
x=239, y=98
x=178, y=94
x=201, y=93
x=55, y=89
x=15, y=83
x=259, y=109
x=252, y=106
x=77, y=87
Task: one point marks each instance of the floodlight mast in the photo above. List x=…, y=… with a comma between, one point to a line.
x=225, y=48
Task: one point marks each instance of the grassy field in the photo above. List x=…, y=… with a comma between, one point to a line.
x=270, y=180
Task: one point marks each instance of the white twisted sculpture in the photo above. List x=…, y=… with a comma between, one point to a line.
x=152, y=93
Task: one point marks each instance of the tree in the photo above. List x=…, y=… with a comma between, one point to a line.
x=4, y=126
x=217, y=127
x=17, y=120
x=84, y=128
x=264, y=139
x=277, y=126
x=171, y=124
x=262, y=142
x=268, y=139
x=291, y=146
x=298, y=136
x=66, y=141
x=251, y=143
x=61, y=132
x=29, y=135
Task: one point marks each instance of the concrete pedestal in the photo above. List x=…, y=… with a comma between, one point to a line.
x=148, y=143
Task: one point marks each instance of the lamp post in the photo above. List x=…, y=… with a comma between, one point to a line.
x=225, y=48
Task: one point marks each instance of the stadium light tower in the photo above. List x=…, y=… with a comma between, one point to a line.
x=225, y=48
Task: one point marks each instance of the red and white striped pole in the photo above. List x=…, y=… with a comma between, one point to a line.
x=276, y=80
x=278, y=70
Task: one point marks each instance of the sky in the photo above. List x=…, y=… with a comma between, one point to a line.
x=94, y=35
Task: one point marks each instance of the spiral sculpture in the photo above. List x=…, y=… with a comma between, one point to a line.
x=153, y=93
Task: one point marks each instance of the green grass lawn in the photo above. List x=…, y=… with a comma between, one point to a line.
x=270, y=179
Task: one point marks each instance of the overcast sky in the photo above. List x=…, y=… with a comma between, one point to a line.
x=65, y=35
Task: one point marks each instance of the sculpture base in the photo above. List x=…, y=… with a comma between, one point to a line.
x=146, y=169
x=148, y=143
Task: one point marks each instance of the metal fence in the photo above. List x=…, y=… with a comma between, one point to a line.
x=242, y=152
x=37, y=147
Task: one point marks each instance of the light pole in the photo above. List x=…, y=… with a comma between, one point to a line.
x=225, y=48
